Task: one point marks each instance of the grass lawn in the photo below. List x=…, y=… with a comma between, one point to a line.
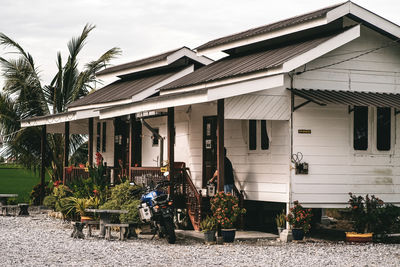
x=17, y=180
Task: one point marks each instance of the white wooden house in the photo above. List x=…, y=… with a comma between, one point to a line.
x=324, y=84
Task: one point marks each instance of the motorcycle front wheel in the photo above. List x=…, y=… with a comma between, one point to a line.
x=170, y=232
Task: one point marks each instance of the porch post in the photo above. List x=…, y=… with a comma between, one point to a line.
x=90, y=143
x=43, y=158
x=171, y=143
x=131, y=131
x=66, y=148
x=220, y=145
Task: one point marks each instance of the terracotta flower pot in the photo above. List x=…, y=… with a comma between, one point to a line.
x=86, y=218
x=356, y=237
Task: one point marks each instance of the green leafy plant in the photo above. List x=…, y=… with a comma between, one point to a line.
x=280, y=219
x=372, y=215
x=226, y=210
x=299, y=217
x=50, y=202
x=74, y=206
x=209, y=224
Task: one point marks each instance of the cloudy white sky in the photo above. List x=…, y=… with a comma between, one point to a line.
x=148, y=27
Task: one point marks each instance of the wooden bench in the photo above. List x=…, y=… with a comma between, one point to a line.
x=123, y=230
x=6, y=208
x=90, y=224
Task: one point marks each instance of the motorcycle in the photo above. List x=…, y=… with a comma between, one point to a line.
x=157, y=208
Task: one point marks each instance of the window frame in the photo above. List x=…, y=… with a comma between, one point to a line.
x=372, y=134
x=258, y=149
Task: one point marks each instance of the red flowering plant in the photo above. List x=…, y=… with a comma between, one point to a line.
x=226, y=210
x=97, y=173
x=57, y=183
x=299, y=217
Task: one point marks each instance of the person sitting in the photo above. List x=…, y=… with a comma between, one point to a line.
x=228, y=171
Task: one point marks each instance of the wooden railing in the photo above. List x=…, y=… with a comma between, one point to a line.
x=146, y=175
x=73, y=173
x=193, y=199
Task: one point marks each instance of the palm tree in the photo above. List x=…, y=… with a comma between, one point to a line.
x=24, y=96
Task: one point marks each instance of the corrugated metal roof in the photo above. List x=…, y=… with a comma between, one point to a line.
x=121, y=89
x=138, y=63
x=237, y=65
x=350, y=97
x=268, y=28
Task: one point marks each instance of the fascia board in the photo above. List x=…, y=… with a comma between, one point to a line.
x=60, y=118
x=269, y=72
x=100, y=105
x=288, y=30
x=154, y=105
x=57, y=118
x=375, y=20
x=245, y=87
x=322, y=49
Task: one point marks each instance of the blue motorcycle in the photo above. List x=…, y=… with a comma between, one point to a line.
x=157, y=208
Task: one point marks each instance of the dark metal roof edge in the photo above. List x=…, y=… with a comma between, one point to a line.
x=210, y=44
x=133, y=64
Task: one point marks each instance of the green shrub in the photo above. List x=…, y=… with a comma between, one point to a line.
x=50, y=201
x=133, y=213
x=124, y=192
x=124, y=197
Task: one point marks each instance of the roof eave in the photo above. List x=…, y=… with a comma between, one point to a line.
x=347, y=8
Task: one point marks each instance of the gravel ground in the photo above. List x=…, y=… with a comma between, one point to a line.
x=41, y=240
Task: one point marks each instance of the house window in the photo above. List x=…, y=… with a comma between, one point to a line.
x=360, y=133
x=258, y=136
x=155, y=138
x=104, y=143
x=252, y=134
x=383, y=130
x=264, y=136
x=98, y=137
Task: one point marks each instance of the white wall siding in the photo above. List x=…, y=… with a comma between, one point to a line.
x=378, y=71
x=335, y=168
x=263, y=175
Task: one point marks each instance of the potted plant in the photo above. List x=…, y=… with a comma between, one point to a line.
x=364, y=213
x=280, y=220
x=209, y=227
x=299, y=219
x=226, y=210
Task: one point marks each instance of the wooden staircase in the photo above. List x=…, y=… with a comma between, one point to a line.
x=184, y=191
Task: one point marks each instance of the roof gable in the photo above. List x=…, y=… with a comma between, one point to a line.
x=153, y=62
x=301, y=23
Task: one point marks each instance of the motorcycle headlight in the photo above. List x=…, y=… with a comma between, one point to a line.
x=170, y=203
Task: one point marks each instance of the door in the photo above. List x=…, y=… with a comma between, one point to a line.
x=121, y=145
x=209, y=147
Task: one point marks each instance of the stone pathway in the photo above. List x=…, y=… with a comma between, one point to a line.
x=39, y=240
